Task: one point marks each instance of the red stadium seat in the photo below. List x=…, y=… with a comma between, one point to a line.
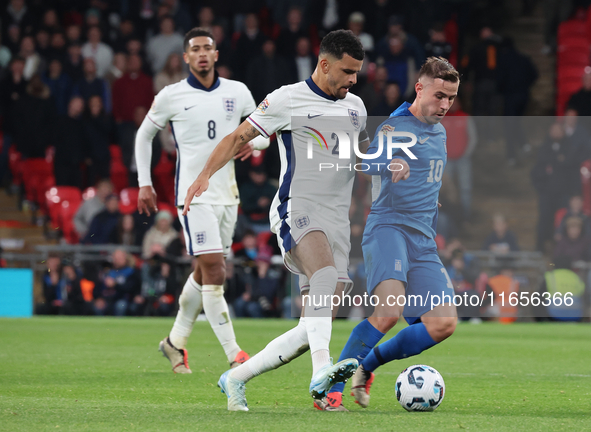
x=558, y=216
x=573, y=27
x=164, y=178
x=37, y=178
x=573, y=55
x=568, y=72
x=54, y=197
x=66, y=220
x=573, y=43
x=128, y=200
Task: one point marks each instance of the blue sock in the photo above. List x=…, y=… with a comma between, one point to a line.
x=409, y=341
x=363, y=338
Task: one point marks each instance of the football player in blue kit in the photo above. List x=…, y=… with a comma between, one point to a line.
x=399, y=247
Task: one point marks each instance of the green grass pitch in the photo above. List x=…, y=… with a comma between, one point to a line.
x=78, y=374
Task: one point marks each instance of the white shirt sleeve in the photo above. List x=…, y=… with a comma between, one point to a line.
x=154, y=121
x=273, y=114
x=249, y=104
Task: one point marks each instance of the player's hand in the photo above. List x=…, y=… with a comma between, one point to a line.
x=146, y=200
x=195, y=190
x=245, y=152
x=402, y=173
x=438, y=204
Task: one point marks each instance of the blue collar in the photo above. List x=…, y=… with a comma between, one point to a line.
x=195, y=83
x=319, y=92
x=402, y=110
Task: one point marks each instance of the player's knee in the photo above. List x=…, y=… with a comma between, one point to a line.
x=213, y=271
x=443, y=328
x=385, y=323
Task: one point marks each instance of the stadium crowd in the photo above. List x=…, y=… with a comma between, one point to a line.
x=78, y=77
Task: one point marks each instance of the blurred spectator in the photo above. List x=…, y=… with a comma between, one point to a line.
x=74, y=62
x=581, y=100
x=58, y=46
x=551, y=175
x=411, y=48
x=248, y=47
x=268, y=72
x=33, y=119
x=396, y=62
x=59, y=84
x=13, y=39
x=249, y=251
x=17, y=13
x=158, y=48
x=462, y=281
x=133, y=89
x=256, y=197
x=502, y=286
x=578, y=137
x=91, y=85
x=70, y=149
x=126, y=136
x=461, y=141
x=119, y=288
x=117, y=69
x=5, y=56
x=171, y=73
x=158, y=284
x=501, y=240
x=74, y=35
x=205, y=18
x=75, y=304
x=390, y=101
x=438, y=46
x=126, y=234
x=125, y=33
x=91, y=207
x=555, y=12
x=50, y=22
x=101, y=53
x=42, y=43
x=305, y=61
x=482, y=63
x=180, y=14
x=33, y=61
x=136, y=47
x=575, y=209
x=104, y=224
x=286, y=42
x=516, y=73
x=54, y=293
x=222, y=44
x=356, y=23
x=99, y=131
x=372, y=92
x=574, y=246
x=162, y=233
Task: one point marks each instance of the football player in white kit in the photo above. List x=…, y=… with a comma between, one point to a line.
x=309, y=213
x=201, y=110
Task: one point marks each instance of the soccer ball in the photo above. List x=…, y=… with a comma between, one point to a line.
x=420, y=388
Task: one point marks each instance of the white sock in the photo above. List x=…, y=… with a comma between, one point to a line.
x=190, y=306
x=318, y=314
x=278, y=352
x=216, y=311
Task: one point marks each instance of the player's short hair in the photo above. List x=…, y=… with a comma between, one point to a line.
x=197, y=32
x=340, y=42
x=439, y=67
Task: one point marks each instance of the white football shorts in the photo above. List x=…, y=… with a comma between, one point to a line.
x=209, y=228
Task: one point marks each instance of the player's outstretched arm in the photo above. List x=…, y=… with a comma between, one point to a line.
x=221, y=155
x=400, y=170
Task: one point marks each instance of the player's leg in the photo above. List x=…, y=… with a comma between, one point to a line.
x=314, y=256
x=213, y=269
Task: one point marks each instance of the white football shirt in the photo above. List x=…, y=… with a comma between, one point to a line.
x=303, y=187
x=199, y=118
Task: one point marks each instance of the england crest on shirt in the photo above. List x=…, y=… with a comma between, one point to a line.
x=229, y=105
x=354, y=116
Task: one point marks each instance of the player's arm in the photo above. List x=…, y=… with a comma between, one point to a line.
x=258, y=143
x=152, y=124
x=397, y=167
x=221, y=155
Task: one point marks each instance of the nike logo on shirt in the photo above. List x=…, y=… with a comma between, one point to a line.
x=188, y=108
x=423, y=140
x=310, y=116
